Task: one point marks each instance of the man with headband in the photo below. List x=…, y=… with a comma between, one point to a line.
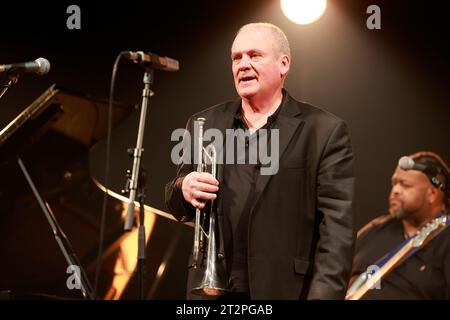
x=419, y=194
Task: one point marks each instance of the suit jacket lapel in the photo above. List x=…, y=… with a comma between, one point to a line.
x=288, y=122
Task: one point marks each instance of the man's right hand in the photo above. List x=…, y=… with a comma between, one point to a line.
x=198, y=187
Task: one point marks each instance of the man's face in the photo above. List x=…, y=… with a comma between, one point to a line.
x=408, y=195
x=257, y=65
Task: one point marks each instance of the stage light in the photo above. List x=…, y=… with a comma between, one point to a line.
x=303, y=11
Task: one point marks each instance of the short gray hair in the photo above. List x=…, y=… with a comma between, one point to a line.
x=281, y=41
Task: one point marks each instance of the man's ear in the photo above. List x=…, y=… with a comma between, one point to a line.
x=285, y=64
x=433, y=194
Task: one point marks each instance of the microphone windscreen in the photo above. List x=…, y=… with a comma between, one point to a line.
x=44, y=65
x=406, y=163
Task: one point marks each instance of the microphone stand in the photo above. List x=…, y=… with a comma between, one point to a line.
x=64, y=244
x=13, y=79
x=141, y=231
x=137, y=152
x=136, y=183
x=141, y=235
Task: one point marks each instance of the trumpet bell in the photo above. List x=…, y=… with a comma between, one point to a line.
x=209, y=291
x=213, y=282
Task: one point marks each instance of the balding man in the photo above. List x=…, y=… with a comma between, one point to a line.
x=286, y=213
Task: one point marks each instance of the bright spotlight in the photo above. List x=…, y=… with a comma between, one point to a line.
x=303, y=11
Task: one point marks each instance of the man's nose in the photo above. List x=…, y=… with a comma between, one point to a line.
x=395, y=189
x=245, y=63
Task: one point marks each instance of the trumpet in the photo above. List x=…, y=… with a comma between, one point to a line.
x=213, y=280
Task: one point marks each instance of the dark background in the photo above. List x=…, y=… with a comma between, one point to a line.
x=390, y=85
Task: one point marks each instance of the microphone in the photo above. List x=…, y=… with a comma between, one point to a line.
x=407, y=163
x=152, y=60
x=39, y=66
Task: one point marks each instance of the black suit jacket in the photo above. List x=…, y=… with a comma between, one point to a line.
x=301, y=233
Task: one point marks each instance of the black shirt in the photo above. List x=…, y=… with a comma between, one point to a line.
x=239, y=180
x=424, y=275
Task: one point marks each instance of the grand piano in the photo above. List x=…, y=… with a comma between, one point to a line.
x=54, y=137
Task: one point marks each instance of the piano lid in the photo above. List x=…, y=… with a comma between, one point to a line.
x=78, y=116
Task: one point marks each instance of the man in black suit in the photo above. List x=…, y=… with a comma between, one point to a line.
x=288, y=231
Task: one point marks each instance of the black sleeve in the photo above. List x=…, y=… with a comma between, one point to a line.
x=178, y=207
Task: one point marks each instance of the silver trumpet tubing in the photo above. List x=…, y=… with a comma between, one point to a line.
x=213, y=281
